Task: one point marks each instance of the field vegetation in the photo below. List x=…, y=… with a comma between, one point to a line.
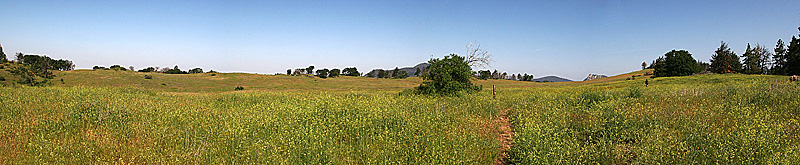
x=107, y=116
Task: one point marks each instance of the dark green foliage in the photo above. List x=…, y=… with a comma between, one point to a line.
x=704, y=66
x=484, y=74
x=288, y=71
x=381, y=74
x=3, y=58
x=676, y=63
x=779, y=59
x=196, y=70
x=175, y=70
x=99, y=68
x=755, y=60
x=793, y=57
x=417, y=73
x=322, y=73
x=238, y=88
x=310, y=69
x=164, y=84
x=19, y=57
x=448, y=76
x=400, y=74
x=212, y=71
x=394, y=72
x=148, y=69
x=334, y=73
x=117, y=67
x=148, y=77
x=213, y=74
x=28, y=75
x=724, y=60
x=47, y=63
x=350, y=72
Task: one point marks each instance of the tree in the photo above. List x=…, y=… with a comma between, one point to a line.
x=117, y=67
x=322, y=73
x=310, y=69
x=196, y=70
x=448, y=76
x=334, y=73
x=525, y=77
x=148, y=69
x=401, y=74
x=19, y=57
x=644, y=65
x=174, y=70
x=503, y=76
x=381, y=74
x=793, y=56
x=752, y=60
x=495, y=75
x=677, y=63
x=130, y=68
x=764, y=56
x=704, y=66
x=3, y=58
x=288, y=71
x=779, y=59
x=513, y=77
x=477, y=57
x=724, y=60
x=417, y=72
x=394, y=72
x=352, y=71
x=484, y=74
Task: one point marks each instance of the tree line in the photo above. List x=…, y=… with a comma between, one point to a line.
x=782, y=60
x=325, y=72
x=487, y=74
x=35, y=69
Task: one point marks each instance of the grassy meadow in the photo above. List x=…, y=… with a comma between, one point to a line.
x=119, y=117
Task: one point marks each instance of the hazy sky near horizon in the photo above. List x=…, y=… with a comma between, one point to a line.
x=566, y=38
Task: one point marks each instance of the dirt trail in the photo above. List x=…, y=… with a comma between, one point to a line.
x=506, y=135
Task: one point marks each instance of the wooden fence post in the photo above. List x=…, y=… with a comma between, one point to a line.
x=494, y=92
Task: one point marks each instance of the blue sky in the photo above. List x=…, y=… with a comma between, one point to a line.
x=565, y=38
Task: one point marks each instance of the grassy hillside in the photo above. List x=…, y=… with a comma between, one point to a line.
x=120, y=117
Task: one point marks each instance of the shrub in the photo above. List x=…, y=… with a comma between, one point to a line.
x=213, y=74
x=238, y=88
x=164, y=84
x=2, y=79
x=448, y=76
x=148, y=77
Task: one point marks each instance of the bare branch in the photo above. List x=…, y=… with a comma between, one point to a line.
x=477, y=56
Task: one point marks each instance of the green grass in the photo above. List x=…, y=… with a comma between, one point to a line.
x=120, y=117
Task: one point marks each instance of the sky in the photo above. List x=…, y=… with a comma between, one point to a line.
x=570, y=39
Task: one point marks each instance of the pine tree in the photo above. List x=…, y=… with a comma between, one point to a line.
x=779, y=59
x=750, y=61
x=723, y=60
x=3, y=58
x=793, y=56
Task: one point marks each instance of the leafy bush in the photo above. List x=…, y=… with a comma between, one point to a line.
x=213, y=74
x=449, y=76
x=238, y=88
x=148, y=77
x=676, y=63
x=148, y=69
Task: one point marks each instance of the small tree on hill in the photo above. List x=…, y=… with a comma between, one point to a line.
x=334, y=73
x=322, y=73
x=644, y=65
x=196, y=70
x=417, y=72
x=288, y=71
x=352, y=71
x=310, y=69
x=3, y=58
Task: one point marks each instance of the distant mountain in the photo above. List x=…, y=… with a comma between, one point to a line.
x=410, y=70
x=594, y=76
x=551, y=79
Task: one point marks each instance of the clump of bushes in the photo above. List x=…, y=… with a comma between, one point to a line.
x=148, y=77
x=213, y=74
x=2, y=79
x=449, y=76
x=238, y=88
